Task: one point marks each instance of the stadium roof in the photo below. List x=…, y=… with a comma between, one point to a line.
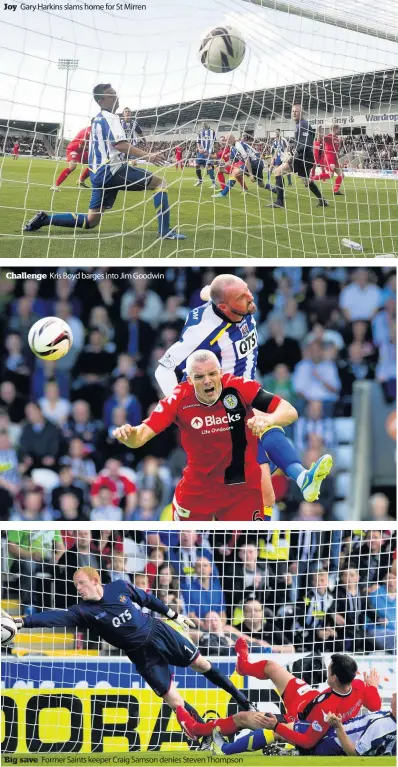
x=368, y=90
x=29, y=125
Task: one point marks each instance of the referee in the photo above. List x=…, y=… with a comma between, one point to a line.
x=300, y=162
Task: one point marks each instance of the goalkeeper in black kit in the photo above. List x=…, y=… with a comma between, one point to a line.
x=300, y=162
x=114, y=612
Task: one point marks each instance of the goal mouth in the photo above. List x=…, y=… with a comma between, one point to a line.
x=338, y=65
x=293, y=595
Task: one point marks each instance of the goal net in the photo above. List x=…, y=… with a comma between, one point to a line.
x=338, y=64
x=296, y=596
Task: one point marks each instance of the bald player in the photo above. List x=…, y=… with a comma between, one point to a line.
x=225, y=325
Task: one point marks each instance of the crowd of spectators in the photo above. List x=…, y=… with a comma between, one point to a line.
x=28, y=145
x=300, y=591
x=320, y=330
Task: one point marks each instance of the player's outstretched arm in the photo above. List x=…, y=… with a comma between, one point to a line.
x=345, y=741
x=51, y=619
x=133, y=436
x=154, y=603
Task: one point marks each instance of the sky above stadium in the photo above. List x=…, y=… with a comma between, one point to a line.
x=151, y=56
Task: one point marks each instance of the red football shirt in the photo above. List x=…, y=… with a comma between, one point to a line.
x=331, y=144
x=178, y=152
x=80, y=142
x=318, y=151
x=220, y=448
x=224, y=153
x=120, y=488
x=314, y=711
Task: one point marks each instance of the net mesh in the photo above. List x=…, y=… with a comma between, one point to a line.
x=296, y=596
x=337, y=64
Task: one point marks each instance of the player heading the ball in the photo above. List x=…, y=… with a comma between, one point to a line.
x=226, y=325
x=214, y=411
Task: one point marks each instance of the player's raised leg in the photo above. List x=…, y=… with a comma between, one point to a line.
x=64, y=175
x=262, y=669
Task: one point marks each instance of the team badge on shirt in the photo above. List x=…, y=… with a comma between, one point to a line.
x=122, y=598
x=230, y=401
x=244, y=328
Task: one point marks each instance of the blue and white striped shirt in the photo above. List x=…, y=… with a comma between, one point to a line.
x=206, y=139
x=373, y=734
x=132, y=130
x=279, y=146
x=103, y=159
x=234, y=343
x=241, y=150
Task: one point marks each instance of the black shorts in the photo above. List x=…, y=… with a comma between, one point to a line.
x=128, y=177
x=302, y=165
x=166, y=646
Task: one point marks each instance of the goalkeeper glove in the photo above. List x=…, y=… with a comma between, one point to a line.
x=182, y=620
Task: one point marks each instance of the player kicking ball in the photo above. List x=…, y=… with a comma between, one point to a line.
x=111, y=172
x=214, y=412
x=151, y=644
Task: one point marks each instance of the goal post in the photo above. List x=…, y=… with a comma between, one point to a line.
x=297, y=596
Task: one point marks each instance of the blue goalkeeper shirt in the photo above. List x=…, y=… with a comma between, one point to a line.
x=117, y=617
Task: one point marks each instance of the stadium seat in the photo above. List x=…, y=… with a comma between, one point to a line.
x=343, y=482
x=345, y=430
x=343, y=457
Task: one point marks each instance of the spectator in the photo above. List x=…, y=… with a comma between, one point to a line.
x=147, y=509
x=258, y=625
x=92, y=370
x=203, y=593
x=155, y=561
x=105, y=508
x=152, y=476
x=280, y=383
x=122, y=398
x=40, y=441
x=67, y=485
x=278, y=349
x=316, y=613
x=317, y=378
x=31, y=553
x=379, y=506
x=152, y=305
x=247, y=577
x=55, y=408
x=79, y=555
x=371, y=557
x=351, y=614
x=360, y=300
x=81, y=424
x=354, y=368
x=12, y=401
x=120, y=483
x=23, y=319
x=83, y=468
x=10, y=479
x=314, y=423
x=183, y=557
x=215, y=639
x=382, y=613
x=118, y=571
x=15, y=366
x=68, y=508
x=320, y=305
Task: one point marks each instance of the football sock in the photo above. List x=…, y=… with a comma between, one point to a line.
x=211, y=174
x=268, y=513
x=198, y=173
x=216, y=676
x=193, y=712
x=321, y=176
x=280, y=194
x=85, y=174
x=221, y=179
x=68, y=220
x=62, y=176
x=161, y=203
x=315, y=190
x=337, y=183
x=289, y=179
x=253, y=741
x=228, y=186
x=241, y=181
x=281, y=452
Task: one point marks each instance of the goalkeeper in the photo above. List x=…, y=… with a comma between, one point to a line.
x=151, y=644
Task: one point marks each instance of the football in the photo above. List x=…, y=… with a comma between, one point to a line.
x=50, y=338
x=8, y=631
x=222, y=49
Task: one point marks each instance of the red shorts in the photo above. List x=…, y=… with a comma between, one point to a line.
x=15, y=151
x=233, y=503
x=73, y=155
x=331, y=161
x=296, y=696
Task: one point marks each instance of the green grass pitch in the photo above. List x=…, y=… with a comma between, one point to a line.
x=239, y=225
